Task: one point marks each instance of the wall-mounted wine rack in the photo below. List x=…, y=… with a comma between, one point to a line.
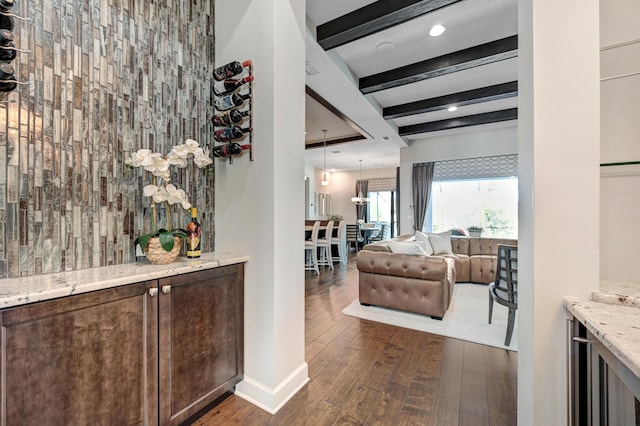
x=233, y=102
x=8, y=51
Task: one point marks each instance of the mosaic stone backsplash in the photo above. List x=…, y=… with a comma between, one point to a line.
x=107, y=77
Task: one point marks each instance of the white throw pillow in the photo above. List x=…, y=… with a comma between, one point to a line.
x=441, y=242
x=407, y=248
x=424, y=239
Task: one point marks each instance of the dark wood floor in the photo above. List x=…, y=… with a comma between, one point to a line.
x=367, y=373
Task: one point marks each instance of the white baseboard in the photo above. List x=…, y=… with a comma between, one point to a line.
x=272, y=399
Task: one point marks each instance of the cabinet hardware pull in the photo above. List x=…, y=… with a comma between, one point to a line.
x=166, y=289
x=153, y=291
x=580, y=340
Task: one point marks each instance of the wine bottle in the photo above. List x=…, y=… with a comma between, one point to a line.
x=6, y=22
x=230, y=133
x=7, y=48
x=230, y=101
x=230, y=85
x=229, y=118
x=230, y=69
x=5, y=5
x=193, y=235
x=7, y=77
x=228, y=149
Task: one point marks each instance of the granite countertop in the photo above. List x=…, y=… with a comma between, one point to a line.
x=613, y=317
x=21, y=291
x=618, y=293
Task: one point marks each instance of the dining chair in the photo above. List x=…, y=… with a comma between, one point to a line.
x=340, y=241
x=311, y=249
x=354, y=236
x=504, y=290
x=378, y=236
x=324, y=244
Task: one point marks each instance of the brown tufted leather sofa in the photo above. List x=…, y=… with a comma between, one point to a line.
x=422, y=284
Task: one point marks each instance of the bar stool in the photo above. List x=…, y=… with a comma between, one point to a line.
x=324, y=244
x=341, y=242
x=311, y=250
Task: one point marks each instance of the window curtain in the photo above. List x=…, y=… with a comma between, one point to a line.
x=397, y=205
x=361, y=210
x=422, y=180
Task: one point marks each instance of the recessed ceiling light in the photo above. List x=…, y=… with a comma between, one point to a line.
x=385, y=47
x=452, y=108
x=436, y=30
x=385, y=138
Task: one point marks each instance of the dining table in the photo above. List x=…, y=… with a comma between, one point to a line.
x=369, y=231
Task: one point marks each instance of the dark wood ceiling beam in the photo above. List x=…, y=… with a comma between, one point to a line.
x=468, y=97
x=483, y=54
x=372, y=18
x=339, y=141
x=322, y=101
x=454, y=123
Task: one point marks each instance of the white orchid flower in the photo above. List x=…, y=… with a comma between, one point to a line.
x=138, y=157
x=192, y=145
x=175, y=195
x=181, y=151
x=166, y=177
x=201, y=159
x=176, y=159
x=160, y=195
x=155, y=164
x=149, y=190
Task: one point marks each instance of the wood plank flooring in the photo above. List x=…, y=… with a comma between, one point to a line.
x=367, y=373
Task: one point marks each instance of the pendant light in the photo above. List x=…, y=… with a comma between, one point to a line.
x=325, y=182
x=360, y=199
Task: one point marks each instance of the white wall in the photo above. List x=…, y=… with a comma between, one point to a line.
x=256, y=201
x=558, y=139
x=620, y=109
x=481, y=142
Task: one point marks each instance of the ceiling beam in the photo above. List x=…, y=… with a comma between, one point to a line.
x=455, y=123
x=483, y=54
x=468, y=97
x=372, y=18
x=322, y=101
x=345, y=139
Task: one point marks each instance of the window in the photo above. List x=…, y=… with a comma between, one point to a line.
x=381, y=210
x=489, y=203
x=380, y=206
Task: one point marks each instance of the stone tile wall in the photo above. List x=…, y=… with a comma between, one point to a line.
x=107, y=77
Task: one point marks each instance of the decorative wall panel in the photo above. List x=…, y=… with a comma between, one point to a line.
x=107, y=77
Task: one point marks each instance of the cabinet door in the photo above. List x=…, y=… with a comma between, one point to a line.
x=80, y=360
x=201, y=340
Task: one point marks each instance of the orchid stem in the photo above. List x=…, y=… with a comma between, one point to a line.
x=153, y=207
x=168, y=217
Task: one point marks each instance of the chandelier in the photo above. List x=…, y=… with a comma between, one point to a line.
x=325, y=182
x=360, y=199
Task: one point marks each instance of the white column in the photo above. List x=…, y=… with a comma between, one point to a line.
x=559, y=191
x=260, y=204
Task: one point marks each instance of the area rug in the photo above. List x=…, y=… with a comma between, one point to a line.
x=466, y=318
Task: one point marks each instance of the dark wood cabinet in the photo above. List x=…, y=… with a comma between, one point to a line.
x=202, y=325
x=141, y=354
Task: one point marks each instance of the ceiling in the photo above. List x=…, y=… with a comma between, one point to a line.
x=377, y=82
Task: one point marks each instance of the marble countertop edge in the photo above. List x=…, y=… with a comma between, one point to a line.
x=617, y=326
x=618, y=293
x=25, y=290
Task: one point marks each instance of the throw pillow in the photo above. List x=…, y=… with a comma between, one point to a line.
x=441, y=242
x=407, y=248
x=424, y=239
